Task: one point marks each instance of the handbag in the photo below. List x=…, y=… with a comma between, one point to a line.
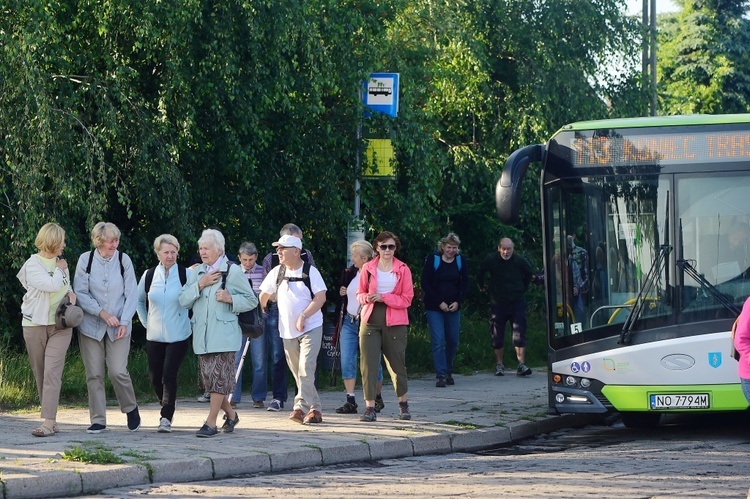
x=250, y=322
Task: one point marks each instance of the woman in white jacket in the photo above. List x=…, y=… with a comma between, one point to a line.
x=46, y=279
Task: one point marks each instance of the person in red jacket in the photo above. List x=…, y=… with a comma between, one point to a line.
x=385, y=292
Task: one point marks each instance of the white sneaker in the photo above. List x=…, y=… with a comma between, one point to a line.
x=206, y=397
x=165, y=426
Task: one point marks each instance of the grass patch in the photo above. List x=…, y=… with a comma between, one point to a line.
x=91, y=453
x=461, y=424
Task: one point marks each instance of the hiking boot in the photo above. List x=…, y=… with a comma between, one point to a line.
x=347, y=408
x=523, y=370
x=449, y=381
x=313, y=417
x=206, y=431
x=229, y=424
x=403, y=411
x=258, y=404
x=440, y=382
x=379, y=404
x=134, y=420
x=499, y=370
x=369, y=416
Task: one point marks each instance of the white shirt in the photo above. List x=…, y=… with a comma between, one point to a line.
x=386, y=282
x=293, y=298
x=352, y=305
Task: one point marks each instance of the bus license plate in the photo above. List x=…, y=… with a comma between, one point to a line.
x=679, y=401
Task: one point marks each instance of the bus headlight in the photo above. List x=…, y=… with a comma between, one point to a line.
x=585, y=382
x=570, y=381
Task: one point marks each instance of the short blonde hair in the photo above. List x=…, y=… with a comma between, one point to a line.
x=363, y=249
x=214, y=238
x=166, y=239
x=50, y=238
x=103, y=232
x=451, y=238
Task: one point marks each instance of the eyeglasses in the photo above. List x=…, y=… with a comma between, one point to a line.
x=384, y=247
x=279, y=249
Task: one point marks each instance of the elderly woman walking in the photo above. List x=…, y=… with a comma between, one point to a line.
x=108, y=294
x=217, y=291
x=46, y=279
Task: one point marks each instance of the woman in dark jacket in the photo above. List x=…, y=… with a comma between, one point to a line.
x=445, y=283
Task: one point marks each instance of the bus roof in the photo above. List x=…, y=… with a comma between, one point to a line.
x=650, y=121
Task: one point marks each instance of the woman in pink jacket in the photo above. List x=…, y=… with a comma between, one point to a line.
x=385, y=292
x=742, y=345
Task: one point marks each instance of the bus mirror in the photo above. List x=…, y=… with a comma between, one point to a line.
x=508, y=188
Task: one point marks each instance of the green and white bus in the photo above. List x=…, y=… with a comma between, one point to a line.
x=646, y=225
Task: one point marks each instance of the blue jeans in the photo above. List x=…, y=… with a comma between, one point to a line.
x=745, y=383
x=445, y=328
x=257, y=354
x=349, y=347
x=272, y=343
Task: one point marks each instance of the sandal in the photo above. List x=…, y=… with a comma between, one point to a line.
x=43, y=431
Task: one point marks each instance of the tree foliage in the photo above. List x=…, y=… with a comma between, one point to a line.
x=243, y=115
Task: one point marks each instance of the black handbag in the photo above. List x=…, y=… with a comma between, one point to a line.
x=250, y=321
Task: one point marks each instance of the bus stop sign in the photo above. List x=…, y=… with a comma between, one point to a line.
x=381, y=93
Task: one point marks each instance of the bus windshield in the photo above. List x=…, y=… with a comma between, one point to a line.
x=604, y=236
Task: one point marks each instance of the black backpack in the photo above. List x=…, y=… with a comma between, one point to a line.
x=249, y=321
x=91, y=260
x=305, y=278
x=150, y=277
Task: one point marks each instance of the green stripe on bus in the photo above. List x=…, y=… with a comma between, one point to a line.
x=636, y=398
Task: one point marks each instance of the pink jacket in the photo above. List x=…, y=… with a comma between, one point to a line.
x=742, y=341
x=396, y=302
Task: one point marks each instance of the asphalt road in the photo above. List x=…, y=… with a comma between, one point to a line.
x=684, y=457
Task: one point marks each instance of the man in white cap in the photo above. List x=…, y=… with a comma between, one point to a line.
x=300, y=294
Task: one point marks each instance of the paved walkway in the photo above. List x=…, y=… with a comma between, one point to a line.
x=480, y=411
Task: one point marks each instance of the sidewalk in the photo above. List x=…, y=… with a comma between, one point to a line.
x=480, y=411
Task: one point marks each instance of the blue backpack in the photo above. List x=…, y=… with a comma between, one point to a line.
x=437, y=262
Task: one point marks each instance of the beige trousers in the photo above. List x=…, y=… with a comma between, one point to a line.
x=47, y=347
x=302, y=358
x=115, y=353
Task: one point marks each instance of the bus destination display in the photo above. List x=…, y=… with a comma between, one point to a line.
x=660, y=148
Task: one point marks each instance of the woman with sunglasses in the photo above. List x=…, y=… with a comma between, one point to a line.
x=385, y=292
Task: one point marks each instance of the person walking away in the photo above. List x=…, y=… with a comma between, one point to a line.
x=108, y=294
x=300, y=294
x=385, y=292
x=348, y=309
x=445, y=284
x=46, y=279
x=509, y=277
x=254, y=273
x=167, y=324
x=217, y=291
x=274, y=343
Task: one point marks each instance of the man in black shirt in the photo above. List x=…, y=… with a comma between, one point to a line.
x=509, y=278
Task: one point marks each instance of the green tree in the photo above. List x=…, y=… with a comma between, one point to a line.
x=703, y=58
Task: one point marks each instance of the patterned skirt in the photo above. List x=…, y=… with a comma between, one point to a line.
x=217, y=372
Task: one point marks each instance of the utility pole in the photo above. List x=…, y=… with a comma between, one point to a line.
x=648, y=59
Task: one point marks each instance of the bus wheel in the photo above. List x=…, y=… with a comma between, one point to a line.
x=640, y=419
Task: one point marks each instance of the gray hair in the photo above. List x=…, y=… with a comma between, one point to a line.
x=166, y=239
x=248, y=248
x=103, y=232
x=291, y=230
x=363, y=249
x=214, y=238
x=451, y=238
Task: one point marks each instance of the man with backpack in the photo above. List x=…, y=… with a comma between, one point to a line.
x=300, y=294
x=274, y=344
x=445, y=284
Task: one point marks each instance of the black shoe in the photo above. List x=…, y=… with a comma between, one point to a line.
x=206, y=431
x=229, y=424
x=96, y=428
x=134, y=420
x=347, y=408
x=379, y=404
x=523, y=370
x=440, y=382
x=449, y=381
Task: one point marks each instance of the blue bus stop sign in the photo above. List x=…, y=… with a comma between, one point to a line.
x=381, y=93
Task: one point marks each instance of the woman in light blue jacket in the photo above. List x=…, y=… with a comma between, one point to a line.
x=217, y=291
x=166, y=322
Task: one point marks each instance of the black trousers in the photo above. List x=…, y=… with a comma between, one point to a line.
x=164, y=360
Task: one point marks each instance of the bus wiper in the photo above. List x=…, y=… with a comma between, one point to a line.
x=687, y=268
x=640, y=300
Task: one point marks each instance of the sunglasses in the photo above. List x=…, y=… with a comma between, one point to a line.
x=384, y=247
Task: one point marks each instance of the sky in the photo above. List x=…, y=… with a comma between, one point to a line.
x=636, y=6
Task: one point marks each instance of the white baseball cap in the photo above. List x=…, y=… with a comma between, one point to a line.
x=288, y=241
